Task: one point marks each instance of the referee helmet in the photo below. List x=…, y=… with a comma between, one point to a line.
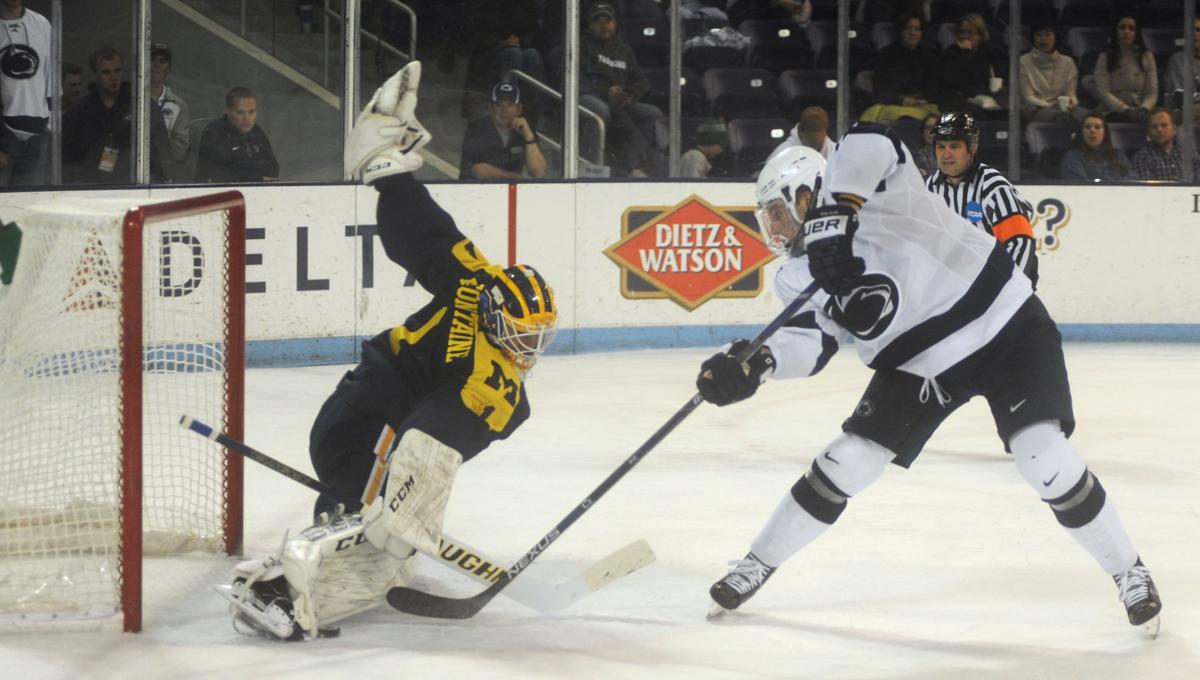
x=955, y=126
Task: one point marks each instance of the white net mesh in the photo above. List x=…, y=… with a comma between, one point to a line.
x=60, y=404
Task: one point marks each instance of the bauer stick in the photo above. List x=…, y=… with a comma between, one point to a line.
x=458, y=556
x=421, y=603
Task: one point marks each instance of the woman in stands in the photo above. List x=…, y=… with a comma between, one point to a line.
x=1126, y=77
x=1092, y=157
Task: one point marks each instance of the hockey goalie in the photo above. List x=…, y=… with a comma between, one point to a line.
x=427, y=396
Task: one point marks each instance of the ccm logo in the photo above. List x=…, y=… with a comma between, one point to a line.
x=402, y=493
x=826, y=224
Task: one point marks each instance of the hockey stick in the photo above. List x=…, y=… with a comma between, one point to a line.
x=458, y=556
x=427, y=604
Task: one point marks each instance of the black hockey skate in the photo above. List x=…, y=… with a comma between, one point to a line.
x=266, y=608
x=740, y=584
x=1140, y=597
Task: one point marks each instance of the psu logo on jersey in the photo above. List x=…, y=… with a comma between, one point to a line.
x=869, y=309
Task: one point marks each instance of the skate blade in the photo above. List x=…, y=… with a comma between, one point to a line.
x=251, y=615
x=1151, y=628
x=716, y=612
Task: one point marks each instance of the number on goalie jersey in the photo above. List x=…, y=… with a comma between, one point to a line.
x=978, y=192
x=942, y=315
x=450, y=370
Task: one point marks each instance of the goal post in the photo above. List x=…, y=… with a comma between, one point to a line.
x=118, y=319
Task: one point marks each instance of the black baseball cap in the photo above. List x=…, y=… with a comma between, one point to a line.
x=507, y=91
x=160, y=48
x=602, y=8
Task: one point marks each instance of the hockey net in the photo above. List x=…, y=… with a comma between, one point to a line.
x=116, y=323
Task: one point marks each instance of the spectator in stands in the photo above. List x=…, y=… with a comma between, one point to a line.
x=1173, y=78
x=1126, y=78
x=799, y=11
x=967, y=81
x=611, y=84
x=24, y=95
x=174, y=108
x=906, y=80
x=812, y=131
x=97, y=141
x=1160, y=159
x=503, y=35
x=233, y=148
x=1048, y=80
x=502, y=145
x=924, y=156
x=72, y=84
x=710, y=143
x=1092, y=156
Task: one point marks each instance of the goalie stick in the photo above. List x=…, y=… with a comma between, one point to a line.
x=460, y=557
x=421, y=603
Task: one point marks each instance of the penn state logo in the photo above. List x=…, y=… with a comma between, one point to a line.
x=869, y=309
x=974, y=212
x=19, y=62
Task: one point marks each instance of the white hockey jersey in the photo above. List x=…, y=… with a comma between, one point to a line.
x=935, y=288
x=25, y=68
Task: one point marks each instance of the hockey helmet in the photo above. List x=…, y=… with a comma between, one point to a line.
x=518, y=314
x=957, y=126
x=786, y=176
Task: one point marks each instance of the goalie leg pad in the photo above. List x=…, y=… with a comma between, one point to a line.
x=334, y=572
x=410, y=512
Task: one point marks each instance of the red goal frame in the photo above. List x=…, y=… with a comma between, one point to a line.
x=132, y=235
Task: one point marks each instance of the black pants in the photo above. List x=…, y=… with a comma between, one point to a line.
x=1021, y=373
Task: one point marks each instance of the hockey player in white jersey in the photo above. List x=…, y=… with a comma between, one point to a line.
x=939, y=311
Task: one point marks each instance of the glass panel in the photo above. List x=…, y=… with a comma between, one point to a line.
x=253, y=92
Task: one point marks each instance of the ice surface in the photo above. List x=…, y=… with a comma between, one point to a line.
x=953, y=569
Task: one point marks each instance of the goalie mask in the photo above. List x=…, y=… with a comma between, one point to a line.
x=784, y=181
x=518, y=313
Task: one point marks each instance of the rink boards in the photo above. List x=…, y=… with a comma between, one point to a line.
x=663, y=264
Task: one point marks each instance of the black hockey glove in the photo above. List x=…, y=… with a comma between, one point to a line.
x=723, y=381
x=827, y=235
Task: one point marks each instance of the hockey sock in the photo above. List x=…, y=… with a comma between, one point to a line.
x=789, y=530
x=1106, y=540
x=10, y=245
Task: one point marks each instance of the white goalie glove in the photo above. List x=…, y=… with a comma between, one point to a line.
x=409, y=515
x=387, y=137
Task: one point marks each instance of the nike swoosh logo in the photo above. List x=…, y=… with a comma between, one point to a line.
x=831, y=459
x=1019, y=404
x=1050, y=481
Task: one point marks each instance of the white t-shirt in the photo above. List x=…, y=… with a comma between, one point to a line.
x=935, y=288
x=25, y=73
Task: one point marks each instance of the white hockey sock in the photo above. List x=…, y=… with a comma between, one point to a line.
x=790, y=528
x=1106, y=540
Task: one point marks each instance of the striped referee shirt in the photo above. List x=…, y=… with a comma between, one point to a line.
x=989, y=201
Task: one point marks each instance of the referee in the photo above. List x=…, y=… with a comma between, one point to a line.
x=978, y=192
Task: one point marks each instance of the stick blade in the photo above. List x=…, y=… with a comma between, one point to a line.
x=419, y=603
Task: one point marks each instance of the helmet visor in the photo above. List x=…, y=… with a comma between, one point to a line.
x=524, y=341
x=778, y=224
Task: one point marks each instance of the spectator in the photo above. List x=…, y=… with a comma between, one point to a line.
x=1160, y=159
x=1173, y=78
x=924, y=156
x=98, y=131
x=906, y=80
x=1048, y=80
x=1126, y=78
x=24, y=95
x=501, y=144
x=1092, y=156
x=234, y=148
x=967, y=80
x=174, y=108
x=611, y=84
x=812, y=131
x=503, y=38
x=799, y=11
x=710, y=143
x=72, y=84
